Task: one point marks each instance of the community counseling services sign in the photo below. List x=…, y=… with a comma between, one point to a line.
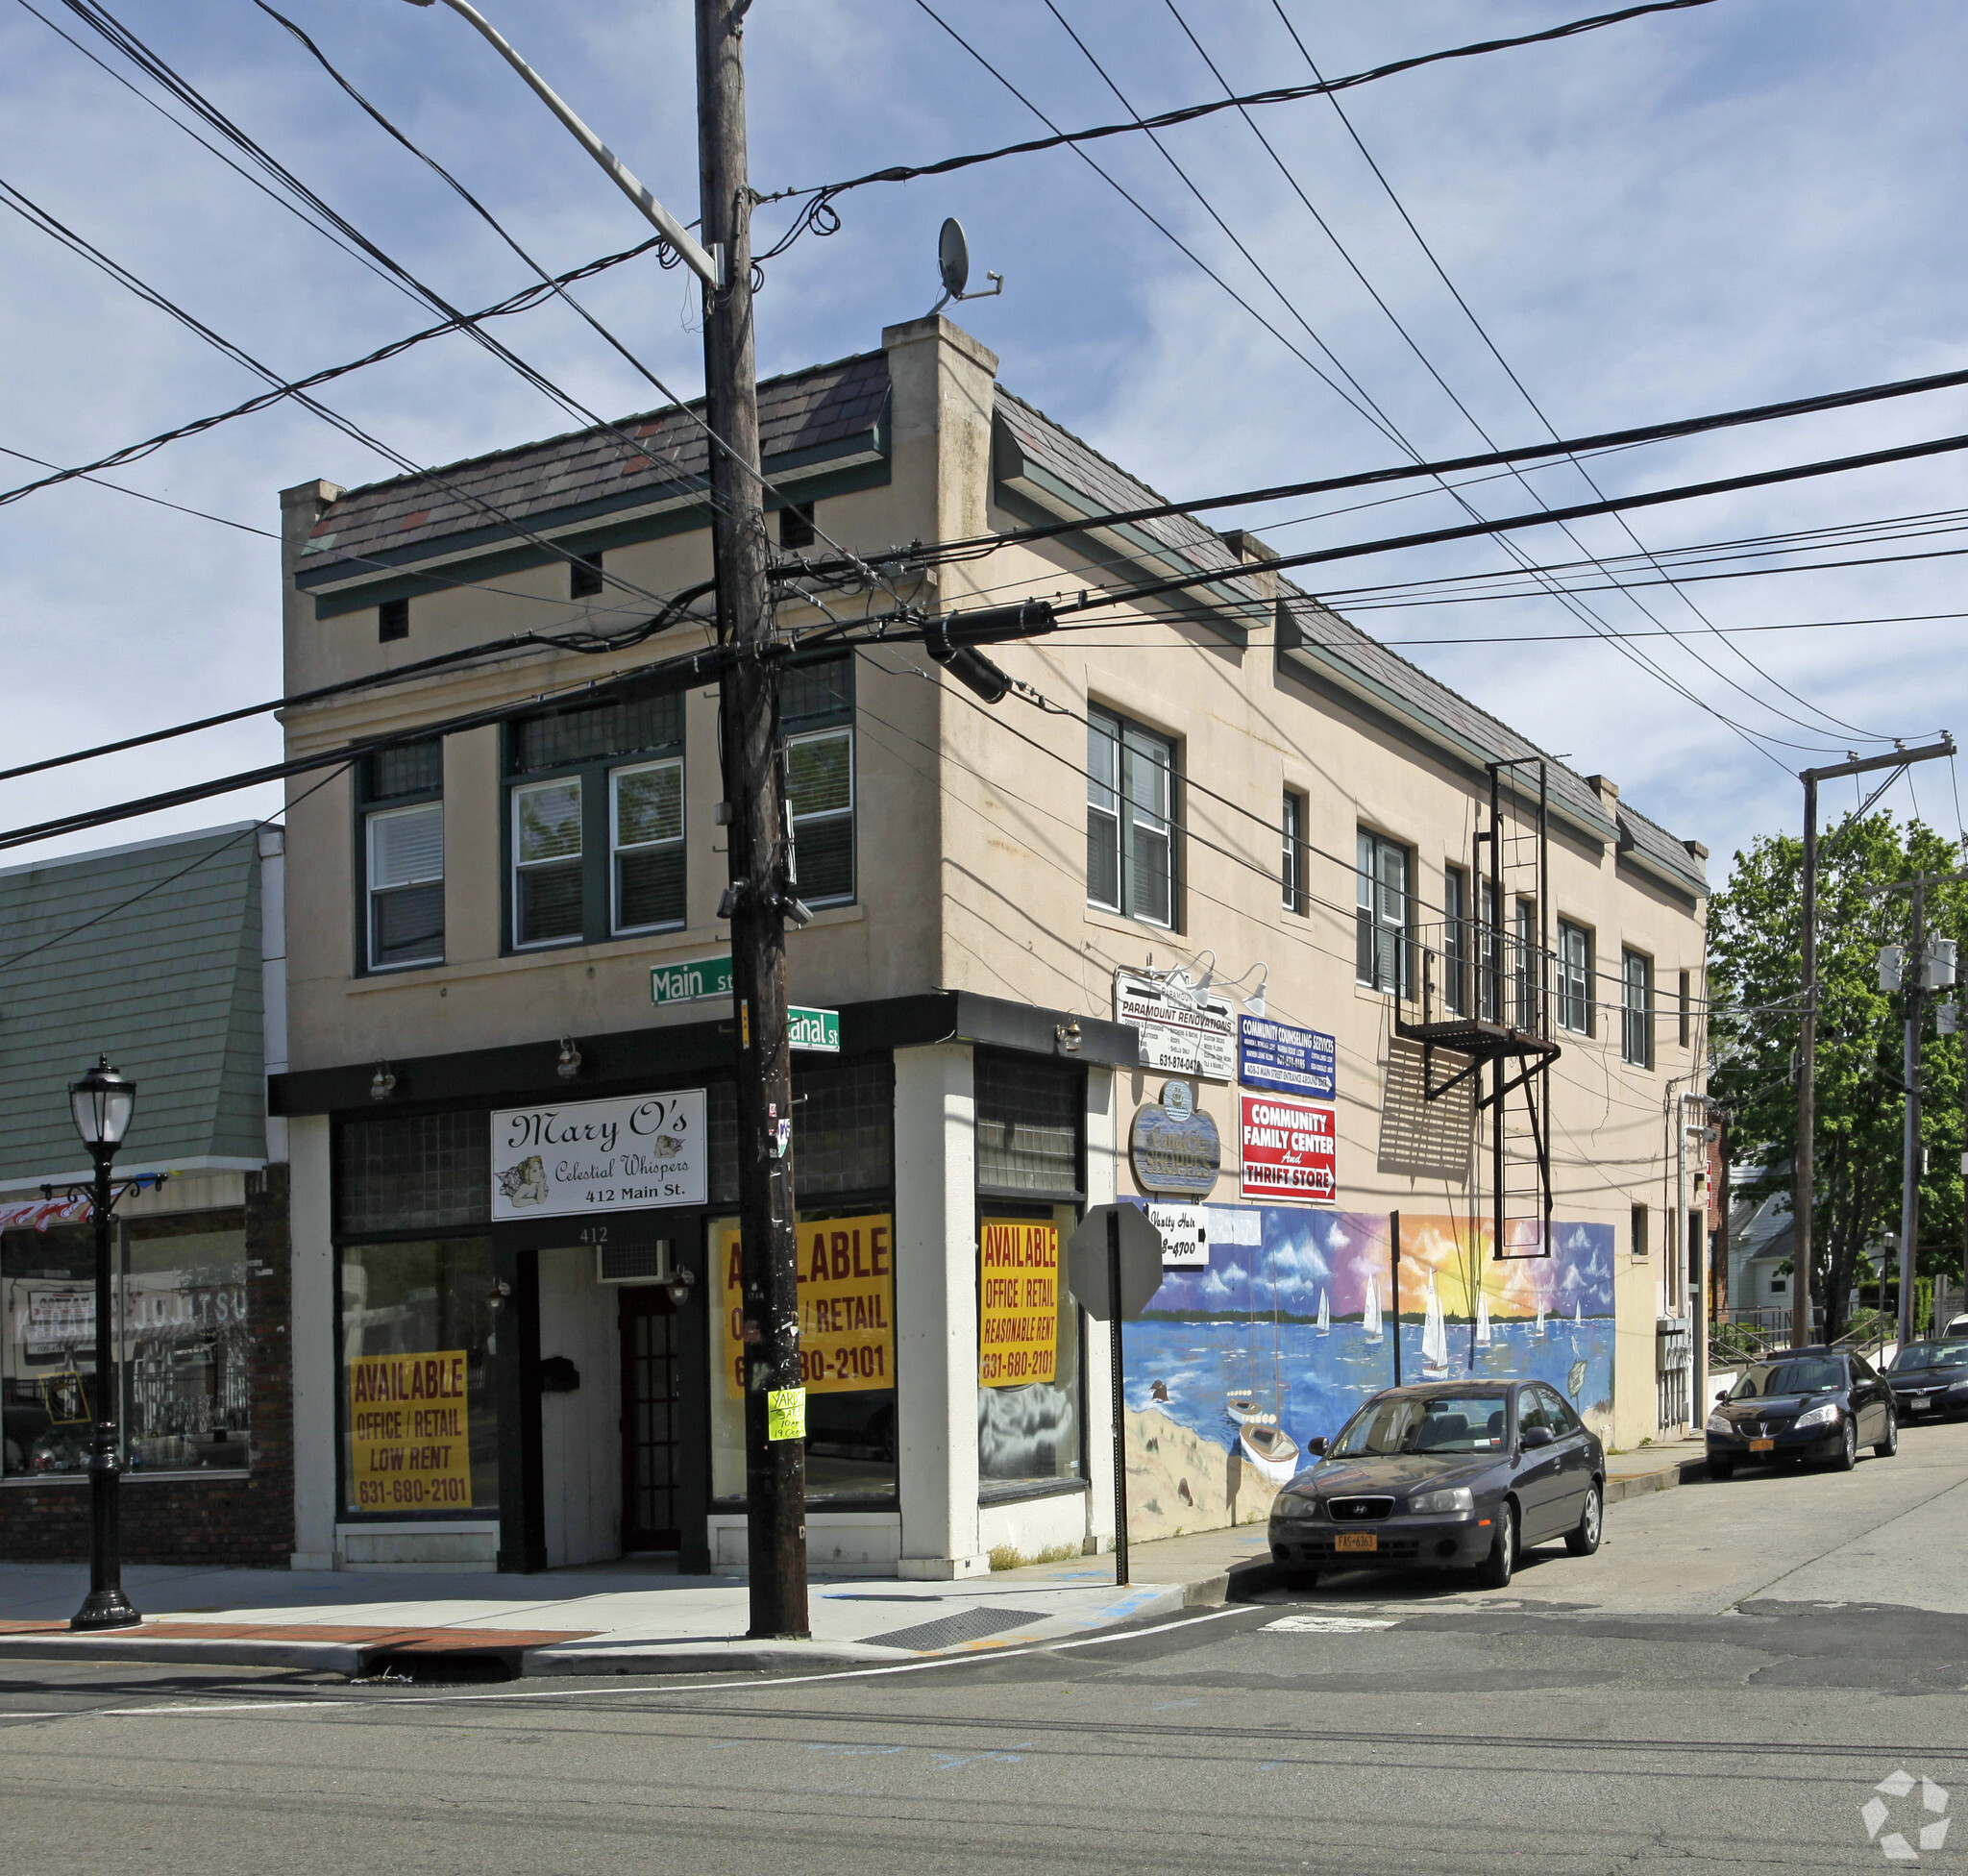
x=592, y=1156
x=1289, y=1151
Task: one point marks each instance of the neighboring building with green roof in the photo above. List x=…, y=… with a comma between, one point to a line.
x=169, y=956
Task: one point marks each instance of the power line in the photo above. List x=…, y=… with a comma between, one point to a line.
x=1189, y=114
x=1523, y=390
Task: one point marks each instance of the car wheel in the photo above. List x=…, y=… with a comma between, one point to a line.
x=1848, y=1448
x=1583, y=1539
x=1722, y=1468
x=1494, y=1571
x=1890, y=1444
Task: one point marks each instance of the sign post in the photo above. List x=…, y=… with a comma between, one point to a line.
x=1115, y=1263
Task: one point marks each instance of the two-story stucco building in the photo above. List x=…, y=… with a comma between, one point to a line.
x=1187, y=918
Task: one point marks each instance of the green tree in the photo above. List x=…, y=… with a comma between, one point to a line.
x=1755, y=979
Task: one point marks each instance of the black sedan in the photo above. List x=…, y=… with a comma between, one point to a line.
x=1805, y=1404
x=1930, y=1378
x=1451, y=1475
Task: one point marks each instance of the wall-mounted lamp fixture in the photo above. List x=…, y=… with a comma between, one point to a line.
x=1067, y=1035
x=569, y=1064
x=497, y=1293
x=678, y=1283
x=383, y=1083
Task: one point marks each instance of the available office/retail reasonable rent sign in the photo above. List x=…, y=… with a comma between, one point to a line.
x=572, y=1159
x=846, y=1304
x=1018, y=1302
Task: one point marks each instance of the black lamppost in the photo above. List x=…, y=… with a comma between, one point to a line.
x=103, y=1102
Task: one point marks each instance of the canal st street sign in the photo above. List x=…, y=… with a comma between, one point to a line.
x=1289, y=1061
x=818, y=1031
x=1182, y=1031
x=577, y=1159
x=1289, y=1151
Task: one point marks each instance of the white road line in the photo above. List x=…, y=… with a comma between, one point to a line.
x=337, y=1705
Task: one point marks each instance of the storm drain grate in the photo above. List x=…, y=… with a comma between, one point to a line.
x=967, y=1625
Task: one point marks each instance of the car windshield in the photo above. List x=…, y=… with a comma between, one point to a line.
x=1430, y=1424
x=1932, y=1354
x=1819, y=1374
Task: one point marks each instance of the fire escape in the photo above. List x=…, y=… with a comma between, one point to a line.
x=1485, y=999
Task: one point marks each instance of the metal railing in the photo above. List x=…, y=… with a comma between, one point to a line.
x=1458, y=969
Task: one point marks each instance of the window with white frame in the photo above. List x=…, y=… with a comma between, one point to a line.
x=1488, y=967
x=1130, y=819
x=1529, y=968
x=1291, y=868
x=817, y=720
x=403, y=860
x=1574, y=977
x=1456, y=936
x=596, y=833
x=1636, y=1008
x=1381, y=947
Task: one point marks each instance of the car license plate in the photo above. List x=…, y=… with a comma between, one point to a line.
x=1762, y=1446
x=1915, y=1405
x=1356, y=1540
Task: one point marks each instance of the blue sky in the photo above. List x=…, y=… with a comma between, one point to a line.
x=1747, y=201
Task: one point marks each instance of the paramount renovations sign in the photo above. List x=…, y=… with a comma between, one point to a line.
x=1182, y=1032
x=581, y=1157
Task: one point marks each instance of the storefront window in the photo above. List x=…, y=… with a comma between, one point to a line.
x=184, y=1347
x=1030, y=1116
x=419, y=1420
x=847, y=1352
x=1028, y=1346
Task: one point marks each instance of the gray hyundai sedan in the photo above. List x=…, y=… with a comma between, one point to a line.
x=1447, y=1475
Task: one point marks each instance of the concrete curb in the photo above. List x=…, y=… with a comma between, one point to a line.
x=320, y=1656
x=1636, y=1485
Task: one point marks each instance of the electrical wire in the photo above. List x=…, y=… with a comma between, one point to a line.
x=1523, y=390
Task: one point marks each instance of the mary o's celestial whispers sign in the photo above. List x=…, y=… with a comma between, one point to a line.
x=577, y=1159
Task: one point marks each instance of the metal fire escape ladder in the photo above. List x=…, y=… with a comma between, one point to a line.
x=1493, y=1006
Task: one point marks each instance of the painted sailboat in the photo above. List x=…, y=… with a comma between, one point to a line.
x=1369, y=1323
x=1269, y=1451
x=1241, y=1405
x=1434, y=1338
x=1325, y=1313
x=1578, y=1319
x=1481, y=1321
x=1540, y=1320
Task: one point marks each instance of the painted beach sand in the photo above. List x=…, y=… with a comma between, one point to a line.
x=1279, y=1330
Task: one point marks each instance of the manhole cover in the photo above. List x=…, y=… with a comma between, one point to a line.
x=947, y=1631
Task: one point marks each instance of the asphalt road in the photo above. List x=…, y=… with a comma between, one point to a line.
x=1722, y=1688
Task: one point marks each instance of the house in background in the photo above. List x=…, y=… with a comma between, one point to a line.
x=166, y=957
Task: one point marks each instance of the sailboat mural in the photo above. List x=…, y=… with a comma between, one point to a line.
x=1540, y=1330
x=1346, y=1318
x=1435, y=1337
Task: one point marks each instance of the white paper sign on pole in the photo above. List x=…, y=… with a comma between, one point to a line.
x=572, y=1159
x=1182, y=1032
x=1185, y=1235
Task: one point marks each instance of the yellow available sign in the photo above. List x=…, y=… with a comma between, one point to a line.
x=847, y=1305
x=1018, y=1302
x=409, y=1439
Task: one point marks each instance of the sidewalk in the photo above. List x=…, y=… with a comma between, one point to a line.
x=628, y=1618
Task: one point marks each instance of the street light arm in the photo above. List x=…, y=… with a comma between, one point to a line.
x=707, y=265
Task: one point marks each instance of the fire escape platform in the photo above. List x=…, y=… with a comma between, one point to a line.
x=1479, y=1039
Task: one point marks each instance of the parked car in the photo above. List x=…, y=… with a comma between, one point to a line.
x=1931, y=1377
x=1804, y=1404
x=1957, y=1326
x=1444, y=1476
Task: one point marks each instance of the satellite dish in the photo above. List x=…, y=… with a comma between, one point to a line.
x=953, y=258
x=953, y=262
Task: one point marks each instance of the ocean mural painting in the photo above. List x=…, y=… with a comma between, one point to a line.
x=1234, y=1368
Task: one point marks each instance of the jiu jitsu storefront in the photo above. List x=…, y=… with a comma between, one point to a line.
x=525, y=1308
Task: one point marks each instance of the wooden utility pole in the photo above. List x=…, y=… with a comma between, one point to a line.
x=760, y=864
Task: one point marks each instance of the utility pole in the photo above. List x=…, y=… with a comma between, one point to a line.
x=759, y=893
x=1804, y=1166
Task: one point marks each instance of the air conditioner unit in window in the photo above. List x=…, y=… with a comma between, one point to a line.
x=639, y=1260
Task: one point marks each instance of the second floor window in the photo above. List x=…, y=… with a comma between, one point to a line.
x=1130, y=819
x=1291, y=872
x=817, y=720
x=1574, y=977
x=1381, y=956
x=1636, y=1008
x=1457, y=936
x=403, y=842
x=596, y=837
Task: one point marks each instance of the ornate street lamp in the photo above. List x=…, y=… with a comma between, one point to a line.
x=103, y=1102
